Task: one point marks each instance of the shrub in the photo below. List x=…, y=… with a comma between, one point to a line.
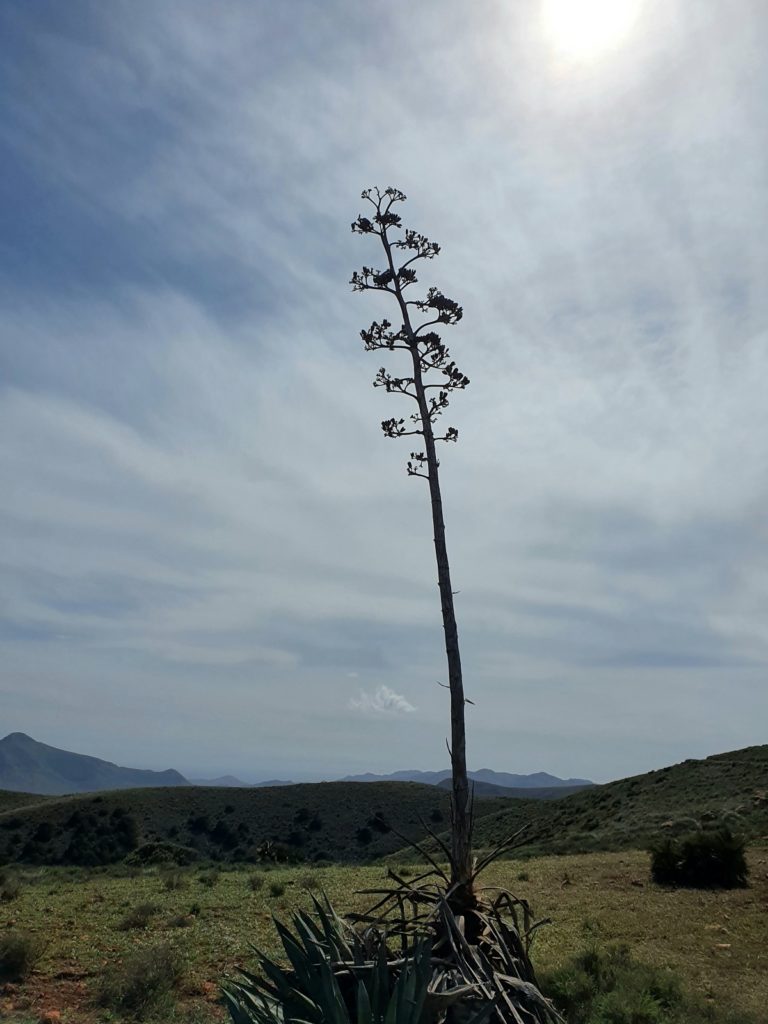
x=19, y=954
x=181, y=921
x=94, y=841
x=198, y=824
x=224, y=836
x=209, y=878
x=255, y=881
x=139, y=917
x=161, y=853
x=606, y=986
x=378, y=823
x=173, y=880
x=704, y=860
x=277, y=852
x=10, y=886
x=144, y=983
x=276, y=888
x=308, y=880
x=43, y=833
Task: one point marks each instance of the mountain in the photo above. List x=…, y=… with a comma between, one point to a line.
x=223, y=782
x=537, y=780
x=31, y=767
x=232, y=782
x=505, y=780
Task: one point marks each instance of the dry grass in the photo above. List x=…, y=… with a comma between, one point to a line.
x=715, y=940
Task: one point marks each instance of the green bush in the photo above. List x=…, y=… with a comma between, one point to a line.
x=144, y=983
x=161, y=853
x=19, y=954
x=703, y=860
x=308, y=880
x=606, y=986
x=181, y=921
x=276, y=888
x=10, y=886
x=139, y=917
x=209, y=878
x=255, y=881
x=172, y=880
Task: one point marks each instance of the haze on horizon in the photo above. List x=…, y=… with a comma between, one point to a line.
x=210, y=559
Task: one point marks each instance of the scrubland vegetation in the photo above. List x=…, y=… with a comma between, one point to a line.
x=79, y=939
x=354, y=822
x=66, y=930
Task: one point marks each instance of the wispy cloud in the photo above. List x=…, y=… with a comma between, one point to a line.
x=197, y=508
x=381, y=701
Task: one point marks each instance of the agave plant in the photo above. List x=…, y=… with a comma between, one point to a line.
x=419, y=970
x=336, y=976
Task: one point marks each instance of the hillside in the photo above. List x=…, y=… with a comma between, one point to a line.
x=32, y=767
x=731, y=787
x=339, y=821
x=488, y=789
x=10, y=800
x=348, y=821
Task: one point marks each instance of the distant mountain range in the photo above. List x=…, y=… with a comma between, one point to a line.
x=222, y=782
x=232, y=782
x=484, y=776
x=27, y=766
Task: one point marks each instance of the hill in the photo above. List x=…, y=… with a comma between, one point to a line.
x=504, y=780
x=339, y=821
x=730, y=787
x=11, y=800
x=350, y=822
x=32, y=767
x=488, y=789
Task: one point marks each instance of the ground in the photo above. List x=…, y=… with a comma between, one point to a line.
x=714, y=940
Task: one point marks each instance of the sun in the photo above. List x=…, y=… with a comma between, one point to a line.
x=586, y=29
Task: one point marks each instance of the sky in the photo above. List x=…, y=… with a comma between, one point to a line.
x=210, y=557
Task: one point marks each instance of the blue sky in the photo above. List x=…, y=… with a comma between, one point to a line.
x=209, y=557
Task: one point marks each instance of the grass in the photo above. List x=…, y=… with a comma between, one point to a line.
x=145, y=983
x=713, y=940
x=139, y=916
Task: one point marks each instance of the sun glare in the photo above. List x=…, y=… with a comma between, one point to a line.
x=586, y=29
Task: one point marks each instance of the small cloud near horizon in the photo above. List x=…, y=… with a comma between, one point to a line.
x=383, y=701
